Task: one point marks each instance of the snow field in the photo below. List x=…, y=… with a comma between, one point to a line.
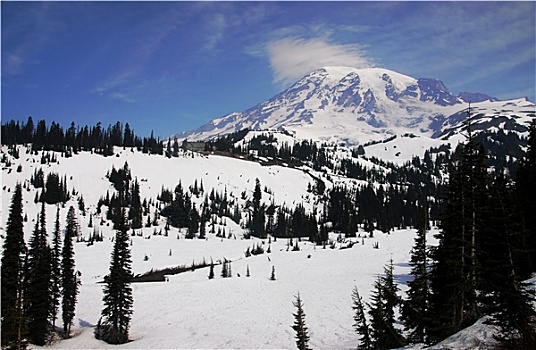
x=190, y=311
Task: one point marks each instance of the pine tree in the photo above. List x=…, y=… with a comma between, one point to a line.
x=361, y=326
x=224, y=272
x=272, y=277
x=69, y=278
x=302, y=336
x=506, y=298
x=526, y=196
x=135, y=212
x=56, y=268
x=415, y=308
x=211, y=271
x=14, y=249
x=115, y=316
x=257, y=228
x=384, y=300
x=38, y=283
x=454, y=273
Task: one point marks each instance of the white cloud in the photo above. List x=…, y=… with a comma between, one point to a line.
x=292, y=58
x=12, y=63
x=217, y=25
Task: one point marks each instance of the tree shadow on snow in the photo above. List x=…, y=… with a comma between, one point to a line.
x=85, y=324
x=403, y=279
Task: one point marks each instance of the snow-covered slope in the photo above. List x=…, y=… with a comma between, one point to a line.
x=190, y=311
x=356, y=106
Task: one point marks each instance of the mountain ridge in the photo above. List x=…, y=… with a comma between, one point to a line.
x=355, y=106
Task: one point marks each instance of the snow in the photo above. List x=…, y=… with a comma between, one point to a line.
x=403, y=148
x=478, y=336
x=192, y=312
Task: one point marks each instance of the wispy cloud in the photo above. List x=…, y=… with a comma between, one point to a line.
x=123, y=97
x=26, y=36
x=217, y=25
x=463, y=35
x=292, y=58
x=127, y=78
x=12, y=62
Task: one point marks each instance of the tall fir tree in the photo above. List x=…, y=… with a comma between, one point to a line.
x=384, y=335
x=257, y=224
x=454, y=273
x=526, y=196
x=69, y=278
x=360, y=321
x=113, y=327
x=38, y=283
x=56, y=269
x=302, y=336
x=224, y=270
x=504, y=254
x=13, y=253
x=415, y=308
x=135, y=212
x=211, y=271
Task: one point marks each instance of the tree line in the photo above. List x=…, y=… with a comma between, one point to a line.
x=75, y=138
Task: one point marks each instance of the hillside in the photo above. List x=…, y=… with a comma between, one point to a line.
x=191, y=311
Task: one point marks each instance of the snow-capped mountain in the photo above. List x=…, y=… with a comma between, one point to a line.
x=356, y=106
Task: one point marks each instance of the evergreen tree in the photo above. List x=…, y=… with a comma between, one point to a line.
x=13, y=252
x=202, y=227
x=302, y=336
x=415, y=308
x=69, y=278
x=193, y=222
x=115, y=316
x=361, y=326
x=211, y=271
x=505, y=297
x=526, y=196
x=38, y=283
x=257, y=227
x=454, y=274
x=224, y=271
x=135, y=212
x=382, y=312
x=272, y=277
x=56, y=268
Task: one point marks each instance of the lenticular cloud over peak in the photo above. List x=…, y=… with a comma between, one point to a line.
x=292, y=58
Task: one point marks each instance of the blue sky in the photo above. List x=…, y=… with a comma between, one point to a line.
x=173, y=66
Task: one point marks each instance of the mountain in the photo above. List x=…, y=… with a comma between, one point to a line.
x=357, y=106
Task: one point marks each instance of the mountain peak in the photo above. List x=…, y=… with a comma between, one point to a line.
x=475, y=97
x=356, y=105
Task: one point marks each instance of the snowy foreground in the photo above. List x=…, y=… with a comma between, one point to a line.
x=189, y=311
